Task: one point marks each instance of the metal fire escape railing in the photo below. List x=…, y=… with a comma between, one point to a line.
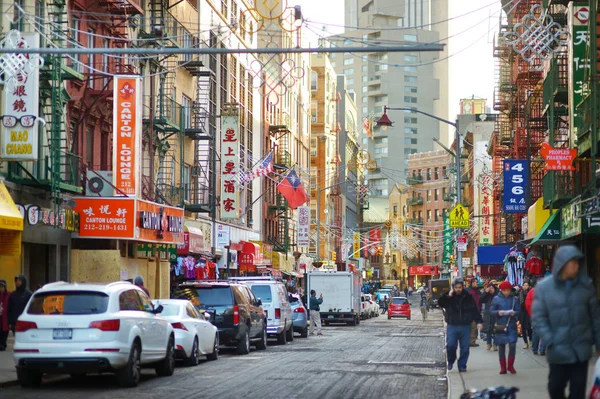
x=280, y=209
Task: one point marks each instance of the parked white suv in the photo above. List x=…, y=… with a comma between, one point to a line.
x=85, y=328
x=275, y=302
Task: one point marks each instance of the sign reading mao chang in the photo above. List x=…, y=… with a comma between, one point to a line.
x=126, y=135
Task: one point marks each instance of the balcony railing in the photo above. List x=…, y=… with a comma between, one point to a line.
x=40, y=172
x=168, y=114
x=415, y=180
x=415, y=201
x=416, y=221
x=559, y=188
x=556, y=81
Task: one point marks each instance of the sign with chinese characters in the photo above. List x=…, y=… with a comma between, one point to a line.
x=230, y=164
x=375, y=236
x=303, y=226
x=20, y=112
x=159, y=223
x=106, y=217
x=423, y=270
x=558, y=158
x=516, y=179
x=356, y=245
x=486, y=210
x=447, y=241
x=223, y=234
x=580, y=63
x=127, y=113
x=461, y=243
x=459, y=217
x=570, y=224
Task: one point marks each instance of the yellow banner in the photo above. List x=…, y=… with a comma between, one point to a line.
x=356, y=245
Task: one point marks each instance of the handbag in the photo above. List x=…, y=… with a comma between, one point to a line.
x=500, y=328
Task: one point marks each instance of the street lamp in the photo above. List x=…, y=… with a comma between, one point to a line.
x=384, y=122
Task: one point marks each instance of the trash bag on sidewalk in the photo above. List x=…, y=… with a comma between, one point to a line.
x=595, y=394
x=492, y=393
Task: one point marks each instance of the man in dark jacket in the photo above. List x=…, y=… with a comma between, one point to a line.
x=473, y=290
x=567, y=318
x=4, y=295
x=460, y=311
x=17, y=301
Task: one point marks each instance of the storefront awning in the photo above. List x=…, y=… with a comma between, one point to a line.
x=492, y=254
x=196, y=239
x=549, y=234
x=10, y=217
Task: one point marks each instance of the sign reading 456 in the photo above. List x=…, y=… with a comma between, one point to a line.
x=516, y=180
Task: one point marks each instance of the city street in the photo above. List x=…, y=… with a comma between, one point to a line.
x=378, y=358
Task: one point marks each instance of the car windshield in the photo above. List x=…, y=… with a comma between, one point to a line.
x=68, y=303
x=399, y=301
x=206, y=296
x=169, y=309
x=263, y=292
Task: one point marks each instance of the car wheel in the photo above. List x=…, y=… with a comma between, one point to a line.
x=166, y=367
x=357, y=320
x=282, y=338
x=193, y=358
x=129, y=376
x=262, y=344
x=290, y=334
x=29, y=378
x=304, y=333
x=215, y=353
x=243, y=346
x=408, y=318
x=389, y=317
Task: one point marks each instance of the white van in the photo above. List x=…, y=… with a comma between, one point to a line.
x=275, y=302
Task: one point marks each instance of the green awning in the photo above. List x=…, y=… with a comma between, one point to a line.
x=549, y=234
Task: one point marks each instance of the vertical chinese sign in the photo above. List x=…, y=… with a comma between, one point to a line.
x=447, y=240
x=20, y=111
x=127, y=91
x=303, y=240
x=230, y=163
x=580, y=63
x=486, y=210
x=356, y=245
x=516, y=179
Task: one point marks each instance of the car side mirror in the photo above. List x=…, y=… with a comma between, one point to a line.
x=258, y=302
x=158, y=309
x=207, y=316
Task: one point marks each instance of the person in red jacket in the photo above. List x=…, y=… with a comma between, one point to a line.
x=535, y=339
x=4, y=294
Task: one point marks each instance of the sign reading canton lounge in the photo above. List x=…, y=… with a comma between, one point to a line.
x=126, y=134
x=579, y=61
x=20, y=111
x=516, y=179
x=230, y=163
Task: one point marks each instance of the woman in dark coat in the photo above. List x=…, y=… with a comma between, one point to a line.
x=506, y=308
x=4, y=295
x=489, y=320
x=524, y=316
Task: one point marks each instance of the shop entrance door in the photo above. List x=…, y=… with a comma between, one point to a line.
x=40, y=263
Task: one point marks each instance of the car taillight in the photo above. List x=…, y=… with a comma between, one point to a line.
x=23, y=326
x=236, y=315
x=299, y=310
x=278, y=313
x=106, y=325
x=363, y=305
x=179, y=326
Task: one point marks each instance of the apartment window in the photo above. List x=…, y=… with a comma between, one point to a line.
x=185, y=182
x=408, y=119
x=444, y=172
x=314, y=108
x=350, y=82
x=428, y=195
x=381, y=99
x=410, y=38
x=420, y=214
x=428, y=174
x=408, y=151
x=410, y=79
x=409, y=99
x=333, y=64
x=395, y=210
x=443, y=192
x=186, y=103
x=429, y=215
x=349, y=71
x=378, y=109
x=436, y=194
x=410, y=141
x=365, y=110
x=365, y=79
x=381, y=150
x=410, y=69
x=105, y=68
x=76, y=61
x=410, y=89
x=381, y=67
x=410, y=58
x=365, y=68
x=365, y=89
x=436, y=215
x=349, y=61
x=381, y=140
x=414, y=215
x=314, y=79
x=410, y=130
x=365, y=100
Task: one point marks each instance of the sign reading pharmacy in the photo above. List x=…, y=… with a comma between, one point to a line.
x=459, y=217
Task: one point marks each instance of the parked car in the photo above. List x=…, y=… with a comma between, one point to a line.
x=365, y=307
x=373, y=307
x=234, y=310
x=194, y=335
x=275, y=302
x=82, y=329
x=399, y=307
x=299, y=316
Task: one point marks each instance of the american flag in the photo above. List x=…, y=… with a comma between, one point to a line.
x=264, y=167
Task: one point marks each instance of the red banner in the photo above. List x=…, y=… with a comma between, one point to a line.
x=423, y=270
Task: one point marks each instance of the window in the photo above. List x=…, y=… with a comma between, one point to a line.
x=146, y=303
x=380, y=99
x=428, y=174
x=365, y=89
x=349, y=61
x=444, y=192
x=314, y=109
x=191, y=312
x=408, y=119
x=395, y=212
x=365, y=68
x=410, y=141
x=76, y=61
x=314, y=78
x=365, y=79
x=410, y=130
x=428, y=195
x=436, y=194
x=69, y=302
x=381, y=67
x=129, y=300
x=381, y=150
x=410, y=89
x=350, y=81
x=409, y=99
x=365, y=100
x=410, y=79
x=105, y=68
x=436, y=174
x=381, y=140
x=410, y=38
x=408, y=151
x=263, y=292
x=444, y=173
x=365, y=110
x=411, y=69
x=186, y=103
x=410, y=58
x=349, y=71
x=436, y=215
x=429, y=215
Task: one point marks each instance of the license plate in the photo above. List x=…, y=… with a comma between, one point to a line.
x=62, y=333
x=330, y=317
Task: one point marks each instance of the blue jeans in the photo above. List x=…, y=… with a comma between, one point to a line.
x=454, y=336
x=536, y=342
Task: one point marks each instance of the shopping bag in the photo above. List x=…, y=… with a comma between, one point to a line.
x=595, y=393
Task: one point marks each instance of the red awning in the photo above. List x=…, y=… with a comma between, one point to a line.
x=249, y=257
x=423, y=270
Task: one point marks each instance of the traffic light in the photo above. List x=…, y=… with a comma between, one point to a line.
x=379, y=251
x=333, y=256
x=451, y=259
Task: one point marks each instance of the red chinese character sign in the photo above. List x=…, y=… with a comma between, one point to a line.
x=230, y=164
x=20, y=110
x=486, y=210
x=558, y=158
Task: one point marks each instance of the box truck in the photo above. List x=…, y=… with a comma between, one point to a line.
x=341, y=295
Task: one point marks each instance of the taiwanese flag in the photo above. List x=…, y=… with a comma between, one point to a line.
x=291, y=188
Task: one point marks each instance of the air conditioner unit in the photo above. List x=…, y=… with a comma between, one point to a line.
x=98, y=183
x=313, y=153
x=313, y=119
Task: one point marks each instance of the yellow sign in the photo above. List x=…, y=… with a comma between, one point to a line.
x=459, y=217
x=10, y=217
x=356, y=245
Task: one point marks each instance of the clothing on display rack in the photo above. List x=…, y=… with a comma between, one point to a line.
x=514, y=264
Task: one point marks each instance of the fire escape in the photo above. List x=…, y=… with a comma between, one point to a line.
x=280, y=208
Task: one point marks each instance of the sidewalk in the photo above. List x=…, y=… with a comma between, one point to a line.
x=8, y=373
x=483, y=368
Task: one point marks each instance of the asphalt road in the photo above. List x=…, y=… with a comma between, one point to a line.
x=379, y=358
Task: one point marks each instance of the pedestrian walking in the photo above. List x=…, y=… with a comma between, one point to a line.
x=385, y=303
x=410, y=290
x=315, y=312
x=536, y=342
x=17, y=301
x=4, y=295
x=506, y=307
x=524, y=317
x=567, y=318
x=139, y=281
x=424, y=305
x=473, y=290
x=489, y=293
x=460, y=310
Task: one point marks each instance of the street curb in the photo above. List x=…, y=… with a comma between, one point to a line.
x=7, y=384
